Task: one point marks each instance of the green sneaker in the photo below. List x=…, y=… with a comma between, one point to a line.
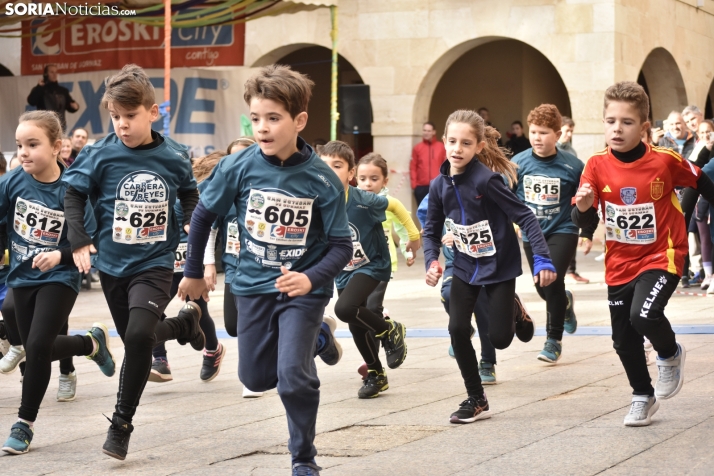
x=551, y=351
x=102, y=356
x=20, y=438
x=374, y=384
x=487, y=372
x=571, y=322
x=394, y=344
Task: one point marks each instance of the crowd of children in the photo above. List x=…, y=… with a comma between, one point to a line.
x=291, y=228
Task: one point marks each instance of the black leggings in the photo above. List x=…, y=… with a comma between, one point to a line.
x=13, y=336
x=562, y=247
x=501, y=324
x=363, y=323
x=207, y=325
x=230, y=311
x=41, y=312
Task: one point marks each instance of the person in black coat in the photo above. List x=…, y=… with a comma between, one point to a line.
x=48, y=95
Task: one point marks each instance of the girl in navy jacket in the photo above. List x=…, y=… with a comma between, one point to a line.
x=470, y=198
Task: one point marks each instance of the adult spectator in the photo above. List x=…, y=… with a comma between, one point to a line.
x=678, y=137
x=48, y=95
x=518, y=141
x=66, y=151
x=692, y=116
x=79, y=140
x=565, y=143
x=427, y=157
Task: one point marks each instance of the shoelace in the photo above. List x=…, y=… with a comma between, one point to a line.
x=666, y=373
x=637, y=407
x=469, y=403
x=65, y=386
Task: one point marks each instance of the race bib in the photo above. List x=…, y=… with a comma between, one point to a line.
x=278, y=219
x=232, y=239
x=632, y=224
x=541, y=190
x=180, y=258
x=38, y=224
x=474, y=240
x=140, y=222
x=359, y=257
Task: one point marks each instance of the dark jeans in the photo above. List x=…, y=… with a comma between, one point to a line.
x=488, y=351
x=636, y=310
x=501, y=324
x=562, y=247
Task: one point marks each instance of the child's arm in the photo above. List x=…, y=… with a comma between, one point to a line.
x=403, y=235
x=396, y=207
x=432, y=233
x=79, y=239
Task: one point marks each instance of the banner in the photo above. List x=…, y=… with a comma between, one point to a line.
x=98, y=44
x=206, y=105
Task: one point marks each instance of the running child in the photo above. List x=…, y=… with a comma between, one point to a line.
x=135, y=174
x=43, y=279
x=548, y=179
x=633, y=183
x=215, y=351
x=294, y=237
x=370, y=265
x=472, y=200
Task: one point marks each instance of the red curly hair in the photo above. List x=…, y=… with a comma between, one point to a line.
x=546, y=115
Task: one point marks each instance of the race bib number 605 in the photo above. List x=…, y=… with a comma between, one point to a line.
x=277, y=218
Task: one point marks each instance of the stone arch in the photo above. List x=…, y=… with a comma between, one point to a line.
x=506, y=75
x=662, y=79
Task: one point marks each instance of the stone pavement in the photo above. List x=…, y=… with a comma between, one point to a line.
x=564, y=418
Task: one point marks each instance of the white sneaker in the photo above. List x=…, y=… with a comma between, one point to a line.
x=710, y=290
x=671, y=374
x=706, y=282
x=67, y=387
x=251, y=394
x=641, y=410
x=10, y=361
x=648, y=352
x=600, y=257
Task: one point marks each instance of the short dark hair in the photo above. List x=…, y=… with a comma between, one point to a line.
x=281, y=84
x=429, y=123
x=568, y=121
x=129, y=88
x=80, y=129
x=337, y=148
x=482, y=109
x=517, y=122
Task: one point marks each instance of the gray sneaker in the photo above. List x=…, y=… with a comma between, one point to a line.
x=641, y=410
x=67, y=387
x=671, y=374
x=10, y=361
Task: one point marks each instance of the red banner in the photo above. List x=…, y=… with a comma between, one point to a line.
x=98, y=44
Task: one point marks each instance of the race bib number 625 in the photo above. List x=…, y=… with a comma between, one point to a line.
x=474, y=240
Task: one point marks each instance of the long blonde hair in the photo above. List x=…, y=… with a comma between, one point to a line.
x=492, y=156
x=203, y=166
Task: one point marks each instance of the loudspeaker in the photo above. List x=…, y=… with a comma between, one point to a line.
x=355, y=108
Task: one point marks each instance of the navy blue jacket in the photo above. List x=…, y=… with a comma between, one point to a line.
x=480, y=194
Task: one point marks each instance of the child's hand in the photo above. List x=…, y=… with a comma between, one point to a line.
x=194, y=288
x=544, y=278
x=410, y=261
x=81, y=258
x=434, y=274
x=209, y=275
x=448, y=240
x=293, y=283
x=187, y=228
x=586, y=244
x=47, y=261
x=584, y=198
x=413, y=246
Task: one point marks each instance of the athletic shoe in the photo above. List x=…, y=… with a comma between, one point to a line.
x=671, y=374
x=247, y=393
x=648, y=352
x=20, y=438
x=13, y=357
x=571, y=322
x=67, y=387
x=551, y=351
x=160, y=371
x=394, y=344
x=4, y=343
x=362, y=370
x=374, y=384
x=117, y=443
x=685, y=282
x=192, y=313
x=487, y=372
x=705, y=283
x=212, y=363
x=577, y=278
x=332, y=350
x=710, y=290
x=451, y=348
x=600, y=257
x=102, y=356
x=641, y=410
x=306, y=469
x=525, y=327
x=470, y=410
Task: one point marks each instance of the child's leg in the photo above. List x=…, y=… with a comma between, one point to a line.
x=461, y=307
x=375, y=301
x=651, y=293
x=258, y=342
x=66, y=365
x=488, y=351
x=446, y=287
x=8, y=315
x=230, y=311
x=501, y=309
x=208, y=326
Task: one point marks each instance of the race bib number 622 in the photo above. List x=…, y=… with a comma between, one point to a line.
x=277, y=218
x=632, y=224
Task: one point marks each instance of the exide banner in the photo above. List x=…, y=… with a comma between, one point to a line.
x=97, y=44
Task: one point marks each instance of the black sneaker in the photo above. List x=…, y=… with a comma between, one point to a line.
x=160, y=371
x=212, y=363
x=525, y=327
x=470, y=410
x=332, y=351
x=394, y=344
x=118, y=435
x=373, y=384
x=685, y=282
x=192, y=313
